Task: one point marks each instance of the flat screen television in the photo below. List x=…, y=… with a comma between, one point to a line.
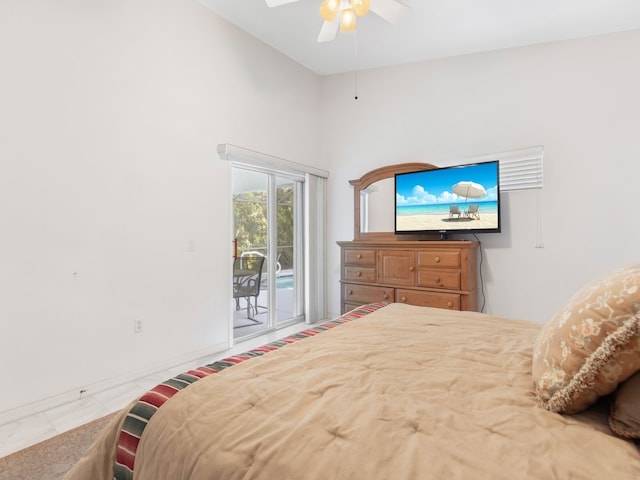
x=458, y=199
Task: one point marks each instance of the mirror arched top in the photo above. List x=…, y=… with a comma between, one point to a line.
x=366, y=184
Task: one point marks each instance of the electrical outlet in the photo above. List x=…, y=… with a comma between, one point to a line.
x=137, y=325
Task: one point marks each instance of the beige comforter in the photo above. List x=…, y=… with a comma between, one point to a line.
x=403, y=393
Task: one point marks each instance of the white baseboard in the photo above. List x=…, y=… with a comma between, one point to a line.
x=34, y=408
x=196, y=359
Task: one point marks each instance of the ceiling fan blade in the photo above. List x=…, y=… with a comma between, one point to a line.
x=391, y=10
x=277, y=3
x=328, y=31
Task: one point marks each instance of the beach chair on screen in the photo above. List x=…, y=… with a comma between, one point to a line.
x=472, y=211
x=454, y=210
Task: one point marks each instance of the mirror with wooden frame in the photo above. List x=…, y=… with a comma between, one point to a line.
x=374, y=203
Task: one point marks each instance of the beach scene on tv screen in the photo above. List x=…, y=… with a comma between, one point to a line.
x=457, y=198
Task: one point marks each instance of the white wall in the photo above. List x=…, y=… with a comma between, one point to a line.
x=111, y=113
x=578, y=98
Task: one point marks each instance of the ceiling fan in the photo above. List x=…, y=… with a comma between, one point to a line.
x=347, y=10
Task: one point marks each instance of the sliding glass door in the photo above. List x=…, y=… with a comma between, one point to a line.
x=267, y=217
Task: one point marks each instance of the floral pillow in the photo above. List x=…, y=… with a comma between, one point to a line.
x=590, y=345
x=625, y=410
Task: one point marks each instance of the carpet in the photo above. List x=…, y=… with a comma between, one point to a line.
x=53, y=458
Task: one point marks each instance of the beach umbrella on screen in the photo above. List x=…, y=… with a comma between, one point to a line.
x=469, y=190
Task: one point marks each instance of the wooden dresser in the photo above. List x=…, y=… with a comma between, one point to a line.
x=441, y=274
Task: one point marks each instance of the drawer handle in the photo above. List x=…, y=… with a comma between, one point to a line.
x=412, y=269
x=450, y=304
x=385, y=296
x=358, y=274
x=437, y=259
x=350, y=292
x=403, y=299
x=358, y=256
x=437, y=279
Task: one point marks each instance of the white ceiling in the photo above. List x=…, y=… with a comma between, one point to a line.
x=431, y=29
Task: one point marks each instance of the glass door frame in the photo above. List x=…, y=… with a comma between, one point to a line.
x=273, y=179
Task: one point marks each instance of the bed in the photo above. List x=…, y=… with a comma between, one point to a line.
x=384, y=391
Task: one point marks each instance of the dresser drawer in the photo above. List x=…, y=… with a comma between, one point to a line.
x=439, y=258
x=361, y=294
x=359, y=256
x=397, y=267
x=434, y=278
x=450, y=301
x=360, y=274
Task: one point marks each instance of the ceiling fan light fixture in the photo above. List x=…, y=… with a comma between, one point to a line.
x=329, y=10
x=360, y=7
x=348, y=20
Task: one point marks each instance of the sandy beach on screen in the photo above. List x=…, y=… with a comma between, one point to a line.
x=443, y=222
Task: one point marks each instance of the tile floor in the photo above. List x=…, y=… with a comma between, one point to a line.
x=36, y=428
